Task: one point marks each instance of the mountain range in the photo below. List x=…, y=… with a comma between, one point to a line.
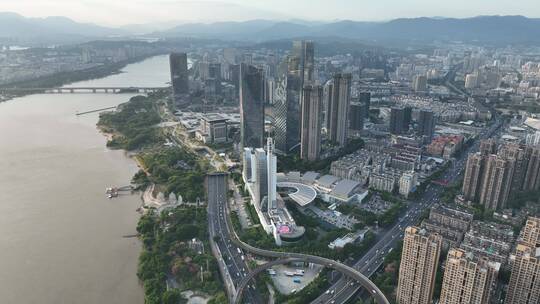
x=481, y=29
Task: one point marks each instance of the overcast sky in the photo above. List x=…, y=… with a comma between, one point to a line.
x=120, y=12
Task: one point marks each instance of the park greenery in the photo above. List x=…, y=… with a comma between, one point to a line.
x=169, y=253
x=315, y=240
x=368, y=218
x=132, y=126
x=174, y=170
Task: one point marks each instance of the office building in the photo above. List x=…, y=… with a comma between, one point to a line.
x=214, y=129
x=271, y=171
x=524, y=286
x=357, y=116
x=179, y=78
x=419, y=83
x=259, y=175
x=305, y=52
x=418, y=268
x=251, y=106
x=365, y=99
x=337, y=112
x=397, y=121
x=288, y=95
x=287, y=113
x=407, y=118
x=311, y=122
x=426, y=125
x=468, y=279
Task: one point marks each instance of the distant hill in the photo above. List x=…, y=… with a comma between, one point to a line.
x=482, y=29
x=15, y=28
x=19, y=29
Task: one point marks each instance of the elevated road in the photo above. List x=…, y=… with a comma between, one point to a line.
x=231, y=260
x=221, y=224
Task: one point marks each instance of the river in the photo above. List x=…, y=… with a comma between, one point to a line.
x=61, y=238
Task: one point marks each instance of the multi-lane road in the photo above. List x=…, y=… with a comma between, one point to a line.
x=342, y=290
x=232, y=257
x=232, y=250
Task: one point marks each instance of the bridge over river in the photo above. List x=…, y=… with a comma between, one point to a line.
x=71, y=90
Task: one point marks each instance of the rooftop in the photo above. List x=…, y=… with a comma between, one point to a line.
x=304, y=194
x=345, y=187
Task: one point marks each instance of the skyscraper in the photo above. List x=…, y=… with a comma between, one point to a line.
x=407, y=118
x=488, y=146
x=426, y=124
x=397, y=119
x=251, y=106
x=271, y=171
x=287, y=113
x=305, y=52
x=524, y=286
x=357, y=116
x=419, y=261
x=337, y=112
x=310, y=139
x=468, y=279
x=288, y=95
x=532, y=174
x=473, y=177
x=179, y=78
x=259, y=175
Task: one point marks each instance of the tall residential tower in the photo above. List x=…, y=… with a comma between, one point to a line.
x=419, y=261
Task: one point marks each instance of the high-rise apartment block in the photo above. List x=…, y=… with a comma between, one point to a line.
x=337, y=112
x=524, y=286
x=473, y=176
x=468, y=279
x=419, y=83
x=251, y=106
x=496, y=182
x=492, y=176
x=407, y=183
x=419, y=261
x=311, y=122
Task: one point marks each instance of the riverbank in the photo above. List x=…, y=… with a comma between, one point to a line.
x=176, y=255
x=69, y=77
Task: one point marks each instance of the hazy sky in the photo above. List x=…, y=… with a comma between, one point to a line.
x=119, y=12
